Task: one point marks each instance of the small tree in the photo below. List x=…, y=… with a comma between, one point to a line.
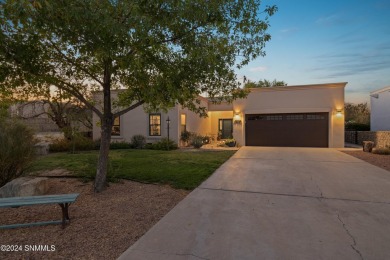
x=357, y=113
x=161, y=53
x=264, y=84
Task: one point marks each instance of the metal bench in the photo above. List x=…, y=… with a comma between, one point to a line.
x=64, y=200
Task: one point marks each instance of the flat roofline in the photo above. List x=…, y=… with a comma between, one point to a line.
x=307, y=86
x=380, y=90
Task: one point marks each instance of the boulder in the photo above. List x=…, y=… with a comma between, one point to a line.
x=367, y=146
x=41, y=148
x=25, y=186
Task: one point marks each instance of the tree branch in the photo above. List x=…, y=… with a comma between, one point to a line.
x=139, y=103
x=73, y=63
x=79, y=96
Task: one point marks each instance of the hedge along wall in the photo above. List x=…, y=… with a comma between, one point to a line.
x=380, y=138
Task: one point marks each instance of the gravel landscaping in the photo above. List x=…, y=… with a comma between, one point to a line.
x=379, y=160
x=102, y=225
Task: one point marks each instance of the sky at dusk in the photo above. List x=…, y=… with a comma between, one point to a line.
x=327, y=41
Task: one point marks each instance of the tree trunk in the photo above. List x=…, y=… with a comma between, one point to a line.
x=107, y=121
x=102, y=165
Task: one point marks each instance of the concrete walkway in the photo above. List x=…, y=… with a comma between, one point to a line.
x=278, y=203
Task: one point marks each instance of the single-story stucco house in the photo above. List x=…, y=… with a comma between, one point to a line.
x=292, y=116
x=380, y=109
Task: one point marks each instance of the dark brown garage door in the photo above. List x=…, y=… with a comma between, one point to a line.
x=290, y=130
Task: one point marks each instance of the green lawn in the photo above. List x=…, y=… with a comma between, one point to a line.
x=180, y=169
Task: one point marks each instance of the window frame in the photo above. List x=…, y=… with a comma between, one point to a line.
x=150, y=125
x=116, y=125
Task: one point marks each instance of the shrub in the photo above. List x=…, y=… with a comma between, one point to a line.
x=230, y=142
x=351, y=126
x=138, y=141
x=164, y=144
x=16, y=149
x=78, y=143
x=197, y=141
x=384, y=151
x=185, y=136
x=206, y=139
x=120, y=145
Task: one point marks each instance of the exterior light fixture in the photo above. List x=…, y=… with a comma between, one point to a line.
x=237, y=118
x=339, y=113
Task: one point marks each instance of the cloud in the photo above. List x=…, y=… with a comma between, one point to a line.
x=289, y=30
x=346, y=64
x=258, y=69
x=329, y=20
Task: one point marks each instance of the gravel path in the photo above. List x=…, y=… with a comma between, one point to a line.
x=102, y=225
x=379, y=160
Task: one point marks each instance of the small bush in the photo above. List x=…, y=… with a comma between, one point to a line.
x=120, y=145
x=149, y=146
x=351, y=126
x=206, y=139
x=185, y=136
x=62, y=145
x=79, y=143
x=197, y=141
x=16, y=149
x=230, y=142
x=138, y=141
x=384, y=151
x=164, y=144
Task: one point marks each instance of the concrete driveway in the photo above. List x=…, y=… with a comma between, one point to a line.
x=278, y=203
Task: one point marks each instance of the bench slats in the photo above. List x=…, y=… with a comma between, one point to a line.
x=36, y=200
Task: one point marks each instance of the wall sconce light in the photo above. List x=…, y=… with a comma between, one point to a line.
x=339, y=113
x=237, y=118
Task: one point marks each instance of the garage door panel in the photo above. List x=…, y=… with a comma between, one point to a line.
x=294, y=130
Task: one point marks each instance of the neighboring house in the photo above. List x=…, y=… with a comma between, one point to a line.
x=38, y=115
x=34, y=115
x=380, y=109
x=295, y=116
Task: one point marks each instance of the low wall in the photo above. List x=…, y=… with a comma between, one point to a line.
x=380, y=138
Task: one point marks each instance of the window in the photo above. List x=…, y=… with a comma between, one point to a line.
x=294, y=117
x=155, y=124
x=275, y=117
x=116, y=127
x=256, y=117
x=183, y=122
x=315, y=117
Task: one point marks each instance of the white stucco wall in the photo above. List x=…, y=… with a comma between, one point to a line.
x=295, y=99
x=136, y=122
x=195, y=123
x=380, y=110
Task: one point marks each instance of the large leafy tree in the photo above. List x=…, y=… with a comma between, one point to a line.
x=161, y=52
x=264, y=84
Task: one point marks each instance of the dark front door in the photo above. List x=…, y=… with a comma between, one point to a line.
x=226, y=128
x=290, y=130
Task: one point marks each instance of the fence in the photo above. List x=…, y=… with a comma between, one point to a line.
x=380, y=138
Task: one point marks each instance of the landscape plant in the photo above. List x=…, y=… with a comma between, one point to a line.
x=16, y=149
x=163, y=144
x=197, y=141
x=138, y=141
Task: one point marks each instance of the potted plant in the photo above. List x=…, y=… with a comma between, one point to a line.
x=230, y=142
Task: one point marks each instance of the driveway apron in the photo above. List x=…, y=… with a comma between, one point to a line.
x=278, y=203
